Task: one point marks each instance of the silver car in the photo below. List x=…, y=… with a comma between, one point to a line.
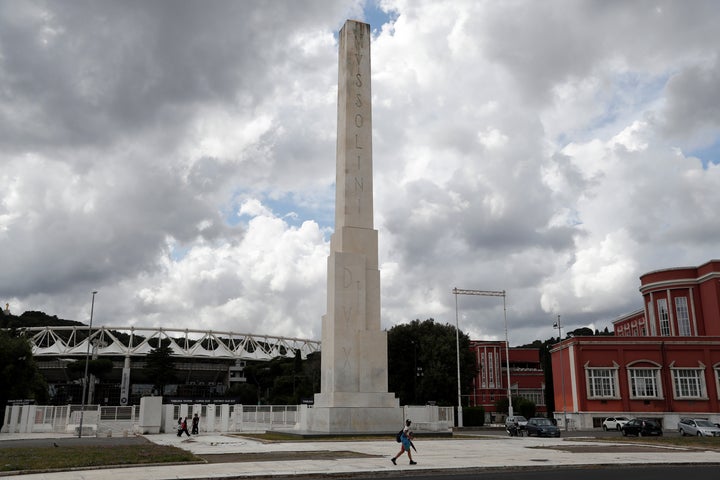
x=698, y=427
x=518, y=420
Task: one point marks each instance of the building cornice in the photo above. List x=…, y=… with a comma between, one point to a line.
x=635, y=341
x=679, y=282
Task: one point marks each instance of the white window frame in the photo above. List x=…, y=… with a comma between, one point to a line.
x=663, y=317
x=683, y=316
x=491, y=370
x=650, y=373
x=695, y=382
x=602, y=375
x=651, y=313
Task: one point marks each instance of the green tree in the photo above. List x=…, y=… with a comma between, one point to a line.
x=19, y=375
x=546, y=365
x=582, y=332
x=422, y=363
x=246, y=393
x=99, y=367
x=521, y=406
x=288, y=380
x=473, y=416
x=258, y=374
x=160, y=367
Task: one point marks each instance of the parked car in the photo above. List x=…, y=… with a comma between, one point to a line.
x=642, y=427
x=542, y=427
x=698, y=427
x=614, y=423
x=518, y=420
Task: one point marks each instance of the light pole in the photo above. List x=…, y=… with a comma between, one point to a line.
x=415, y=374
x=87, y=360
x=485, y=293
x=507, y=358
x=457, y=348
x=558, y=325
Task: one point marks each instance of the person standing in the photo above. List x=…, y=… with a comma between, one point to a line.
x=406, y=439
x=195, y=424
x=179, y=426
x=183, y=428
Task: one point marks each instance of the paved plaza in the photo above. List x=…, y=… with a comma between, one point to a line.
x=231, y=456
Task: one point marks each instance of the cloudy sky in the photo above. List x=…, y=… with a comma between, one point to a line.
x=179, y=158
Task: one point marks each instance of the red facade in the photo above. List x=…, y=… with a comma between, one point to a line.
x=664, y=360
x=491, y=380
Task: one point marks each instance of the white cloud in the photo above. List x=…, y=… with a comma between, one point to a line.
x=180, y=159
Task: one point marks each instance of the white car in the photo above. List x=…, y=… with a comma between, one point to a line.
x=614, y=423
x=698, y=427
x=517, y=419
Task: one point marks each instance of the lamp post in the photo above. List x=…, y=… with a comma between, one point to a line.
x=485, y=293
x=415, y=373
x=87, y=360
x=457, y=348
x=507, y=358
x=558, y=325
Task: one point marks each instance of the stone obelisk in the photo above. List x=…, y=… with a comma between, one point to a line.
x=354, y=393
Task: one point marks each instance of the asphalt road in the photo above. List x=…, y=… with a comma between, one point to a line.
x=641, y=472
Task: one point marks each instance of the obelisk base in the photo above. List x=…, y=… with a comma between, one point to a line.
x=338, y=420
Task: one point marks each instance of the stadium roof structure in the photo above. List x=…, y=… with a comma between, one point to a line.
x=68, y=341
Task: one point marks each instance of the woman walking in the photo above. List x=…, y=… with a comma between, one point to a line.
x=406, y=439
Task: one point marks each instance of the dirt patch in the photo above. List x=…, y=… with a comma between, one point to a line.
x=625, y=448
x=281, y=456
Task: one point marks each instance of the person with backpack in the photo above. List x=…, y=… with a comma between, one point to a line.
x=405, y=437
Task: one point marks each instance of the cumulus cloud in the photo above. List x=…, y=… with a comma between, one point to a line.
x=180, y=157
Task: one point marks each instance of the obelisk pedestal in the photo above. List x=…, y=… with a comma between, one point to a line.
x=354, y=377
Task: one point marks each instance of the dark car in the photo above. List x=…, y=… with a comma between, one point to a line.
x=542, y=427
x=642, y=427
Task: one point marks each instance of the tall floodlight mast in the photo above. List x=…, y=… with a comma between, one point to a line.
x=485, y=293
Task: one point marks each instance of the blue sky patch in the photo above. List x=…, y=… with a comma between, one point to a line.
x=629, y=93
x=376, y=17
x=292, y=209
x=295, y=211
x=178, y=252
x=709, y=154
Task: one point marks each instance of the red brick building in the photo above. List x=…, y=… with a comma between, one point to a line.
x=490, y=382
x=663, y=362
